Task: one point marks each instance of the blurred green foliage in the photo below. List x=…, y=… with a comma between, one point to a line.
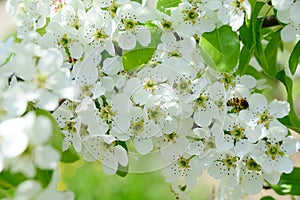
x=88, y=182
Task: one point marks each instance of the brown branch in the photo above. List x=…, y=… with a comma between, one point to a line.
x=269, y=21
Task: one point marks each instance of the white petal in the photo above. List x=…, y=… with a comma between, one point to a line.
x=171, y=172
x=283, y=164
x=28, y=189
x=14, y=139
x=121, y=155
x=216, y=91
x=41, y=130
x=143, y=146
x=248, y=117
x=203, y=118
x=272, y=178
x=279, y=109
x=121, y=103
x=109, y=163
x=248, y=81
x=288, y=33
x=252, y=183
x=258, y=102
x=143, y=36
x=48, y=100
x=46, y=157
x=242, y=147
x=225, y=144
x=76, y=50
x=290, y=145
x=127, y=41
x=217, y=170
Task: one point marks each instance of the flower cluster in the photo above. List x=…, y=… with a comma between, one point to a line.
x=71, y=62
x=287, y=13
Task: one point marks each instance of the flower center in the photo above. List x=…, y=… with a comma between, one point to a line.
x=107, y=113
x=166, y=24
x=230, y=161
x=149, y=85
x=171, y=137
x=265, y=118
x=137, y=126
x=155, y=114
x=100, y=34
x=129, y=24
x=191, y=15
x=273, y=151
x=112, y=9
x=40, y=80
x=183, y=162
x=201, y=101
x=252, y=165
x=209, y=143
x=237, y=132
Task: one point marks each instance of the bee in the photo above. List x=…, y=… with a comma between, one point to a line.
x=238, y=104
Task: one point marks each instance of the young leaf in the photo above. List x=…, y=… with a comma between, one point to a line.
x=221, y=49
x=139, y=56
x=10, y=180
x=163, y=5
x=289, y=183
x=136, y=58
x=244, y=60
x=271, y=51
x=294, y=58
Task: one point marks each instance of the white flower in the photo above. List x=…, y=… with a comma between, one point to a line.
x=282, y=4
x=70, y=125
x=14, y=138
x=289, y=15
x=233, y=13
x=130, y=30
x=261, y=116
x=225, y=167
x=273, y=157
x=171, y=47
x=189, y=19
x=180, y=163
x=44, y=79
x=105, y=149
x=98, y=32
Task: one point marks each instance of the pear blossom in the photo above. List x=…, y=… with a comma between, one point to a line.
x=262, y=116
x=287, y=12
x=129, y=29
x=105, y=149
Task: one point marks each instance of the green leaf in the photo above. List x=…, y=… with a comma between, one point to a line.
x=122, y=170
x=271, y=52
x=136, y=58
x=221, y=49
x=164, y=5
x=69, y=155
x=288, y=183
x=244, y=60
x=267, y=198
x=9, y=180
x=294, y=58
x=291, y=121
x=43, y=176
x=139, y=1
